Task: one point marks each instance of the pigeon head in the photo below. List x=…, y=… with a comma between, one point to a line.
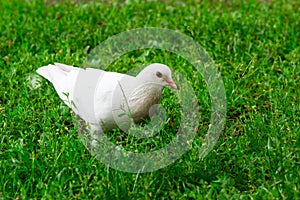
x=158, y=74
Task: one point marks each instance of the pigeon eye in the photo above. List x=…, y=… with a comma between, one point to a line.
x=159, y=74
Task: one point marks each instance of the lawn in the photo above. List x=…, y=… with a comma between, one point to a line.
x=255, y=46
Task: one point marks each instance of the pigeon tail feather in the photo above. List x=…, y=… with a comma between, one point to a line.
x=63, y=78
x=55, y=72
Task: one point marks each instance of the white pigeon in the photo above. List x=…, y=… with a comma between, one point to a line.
x=107, y=99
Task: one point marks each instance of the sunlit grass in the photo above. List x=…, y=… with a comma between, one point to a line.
x=255, y=46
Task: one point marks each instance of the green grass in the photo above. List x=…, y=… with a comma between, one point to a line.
x=256, y=47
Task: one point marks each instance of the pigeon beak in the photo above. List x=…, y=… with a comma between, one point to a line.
x=171, y=83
